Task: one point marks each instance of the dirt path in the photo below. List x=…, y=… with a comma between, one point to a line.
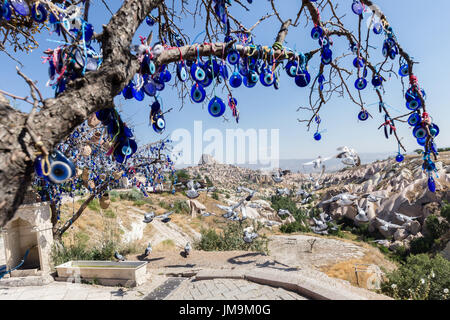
x=167, y=231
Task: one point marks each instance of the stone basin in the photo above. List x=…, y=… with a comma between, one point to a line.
x=108, y=273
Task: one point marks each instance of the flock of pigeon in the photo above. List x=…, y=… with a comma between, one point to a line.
x=322, y=224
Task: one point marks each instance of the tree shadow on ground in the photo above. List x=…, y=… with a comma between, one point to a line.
x=234, y=260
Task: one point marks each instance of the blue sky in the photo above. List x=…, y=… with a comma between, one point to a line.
x=418, y=28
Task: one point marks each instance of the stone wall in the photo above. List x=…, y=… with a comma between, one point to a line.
x=31, y=226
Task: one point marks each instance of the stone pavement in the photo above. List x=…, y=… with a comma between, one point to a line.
x=76, y=291
x=185, y=289
x=229, y=289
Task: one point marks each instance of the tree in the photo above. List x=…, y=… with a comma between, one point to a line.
x=97, y=173
x=52, y=120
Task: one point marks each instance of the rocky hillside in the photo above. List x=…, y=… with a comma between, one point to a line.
x=400, y=189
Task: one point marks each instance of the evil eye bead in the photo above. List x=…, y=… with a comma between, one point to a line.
x=159, y=86
x=327, y=56
x=128, y=91
x=150, y=89
x=324, y=42
x=377, y=28
x=166, y=76
x=59, y=172
x=393, y=53
x=248, y=81
x=377, y=81
x=360, y=83
x=21, y=7
x=216, y=107
x=7, y=11
x=303, y=79
x=363, y=115
x=139, y=94
x=235, y=80
x=414, y=119
x=419, y=132
x=198, y=94
x=126, y=150
x=233, y=57
x=291, y=69
x=160, y=123
x=357, y=8
x=198, y=73
x=316, y=33
x=224, y=71
x=385, y=51
x=208, y=80
x=317, y=136
x=413, y=104
x=182, y=72
x=434, y=130
x=149, y=20
x=38, y=13
x=276, y=83
x=358, y=62
x=152, y=67
x=404, y=70
x=431, y=184
x=267, y=78
x=399, y=158
x=422, y=141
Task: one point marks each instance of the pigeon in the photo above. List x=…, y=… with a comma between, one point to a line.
x=282, y=212
x=403, y=218
x=148, y=217
x=343, y=199
x=148, y=250
x=250, y=192
x=118, y=256
x=361, y=216
x=283, y=192
x=187, y=249
x=348, y=156
x=249, y=237
x=207, y=214
x=383, y=242
x=387, y=225
x=373, y=198
x=318, y=162
x=271, y=223
x=164, y=217
x=191, y=193
x=277, y=177
x=301, y=192
x=229, y=211
x=320, y=224
x=325, y=217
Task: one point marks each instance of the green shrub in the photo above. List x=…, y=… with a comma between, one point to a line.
x=421, y=245
x=132, y=195
x=139, y=203
x=231, y=238
x=445, y=211
x=435, y=227
x=420, y=278
x=287, y=203
x=181, y=207
x=215, y=195
x=208, y=182
x=182, y=174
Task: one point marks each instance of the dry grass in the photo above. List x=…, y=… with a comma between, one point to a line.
x=345, y=270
